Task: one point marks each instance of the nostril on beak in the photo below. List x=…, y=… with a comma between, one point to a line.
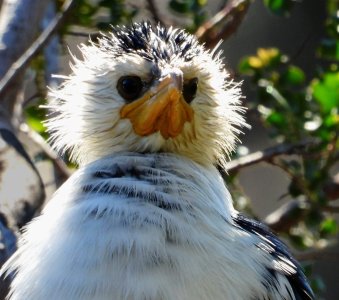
x=178, y=79
x=174, y=75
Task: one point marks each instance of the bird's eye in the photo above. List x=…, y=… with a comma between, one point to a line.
x=190, y=89
x=130, y=87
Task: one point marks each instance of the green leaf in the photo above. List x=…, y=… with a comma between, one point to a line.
x=326, y=91
x=276, y=119
x=324, y=135
x=298, y=240
x=331, y=121
x=328, y=226
x=85, y=13
x=199, y=19
x=182, y=7
x=244, y=67
x=201, y=2
x=279, y=7
x=34, y=117
x=329, y=48
x=293, y=76
x=105, y=3
x=36, y=124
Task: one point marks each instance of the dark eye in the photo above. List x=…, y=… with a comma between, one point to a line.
x=190, y=89
x=130, y=87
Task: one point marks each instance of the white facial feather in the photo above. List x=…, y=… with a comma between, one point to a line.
x=86, y=120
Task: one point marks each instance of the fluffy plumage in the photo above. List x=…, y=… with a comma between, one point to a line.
x=147, y=216
x=88, y=103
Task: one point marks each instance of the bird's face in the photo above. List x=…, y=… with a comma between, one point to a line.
x=160, y=104
x=147, y=89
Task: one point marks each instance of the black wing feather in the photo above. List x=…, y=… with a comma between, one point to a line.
x=297, y=280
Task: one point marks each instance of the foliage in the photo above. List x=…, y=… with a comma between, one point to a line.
x=195, y=10
x=280, y=7
x=294, y=109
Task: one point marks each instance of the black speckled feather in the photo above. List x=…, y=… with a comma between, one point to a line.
x=155, y=43
x=297, y=280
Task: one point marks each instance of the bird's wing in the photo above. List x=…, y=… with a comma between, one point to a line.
x=285, y=270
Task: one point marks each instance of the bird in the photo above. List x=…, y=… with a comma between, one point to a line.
x=151, y=117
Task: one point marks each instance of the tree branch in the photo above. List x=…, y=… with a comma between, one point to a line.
x=224, y=23
x=154, y=11
x=267, y=155
x=317, y=255
x=331, y=188
x=51, y=50
x=286, y=216
x=61, y=168
x=38, y=44
x=19, y=25
x=331, y=209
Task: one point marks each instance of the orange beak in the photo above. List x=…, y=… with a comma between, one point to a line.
x=162, y=108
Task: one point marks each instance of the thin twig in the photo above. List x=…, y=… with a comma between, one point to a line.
x=87, y=35
x=224, y=23
x=267, y=155
x=330, y=208
x=286, y=216
x=61, y=168
x=317, y=255
x=331, y=188
x=38, y=44
x=154, y=11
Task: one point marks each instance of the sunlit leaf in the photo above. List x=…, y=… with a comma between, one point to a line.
x=266, y=55
x=255, y=62
x=245, y=67
x=201, y=2
x=328, y=226
x=276, y=119
x=332, y=120
x=326, y=91
x=293, y=76
x=36, y=124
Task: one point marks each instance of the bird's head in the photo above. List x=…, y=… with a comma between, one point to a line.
x=146, y=89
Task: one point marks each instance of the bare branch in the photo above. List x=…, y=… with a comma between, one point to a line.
x=224, y=23
x=39, y=43
x=59, y=165
x=19, y=25
x=88, y=35
x=331, y=188
x=51, y=50
x=320, y=254
x=286, y=216
x=330, y=208
x=154, y=11
x=267, y=155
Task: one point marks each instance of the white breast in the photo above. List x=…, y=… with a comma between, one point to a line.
x=138, y=227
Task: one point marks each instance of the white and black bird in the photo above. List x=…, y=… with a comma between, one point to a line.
x=148, y=114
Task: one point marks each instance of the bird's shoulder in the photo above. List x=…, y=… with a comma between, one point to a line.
x=284, y=270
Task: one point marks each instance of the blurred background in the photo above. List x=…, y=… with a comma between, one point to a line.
x=285, y=52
